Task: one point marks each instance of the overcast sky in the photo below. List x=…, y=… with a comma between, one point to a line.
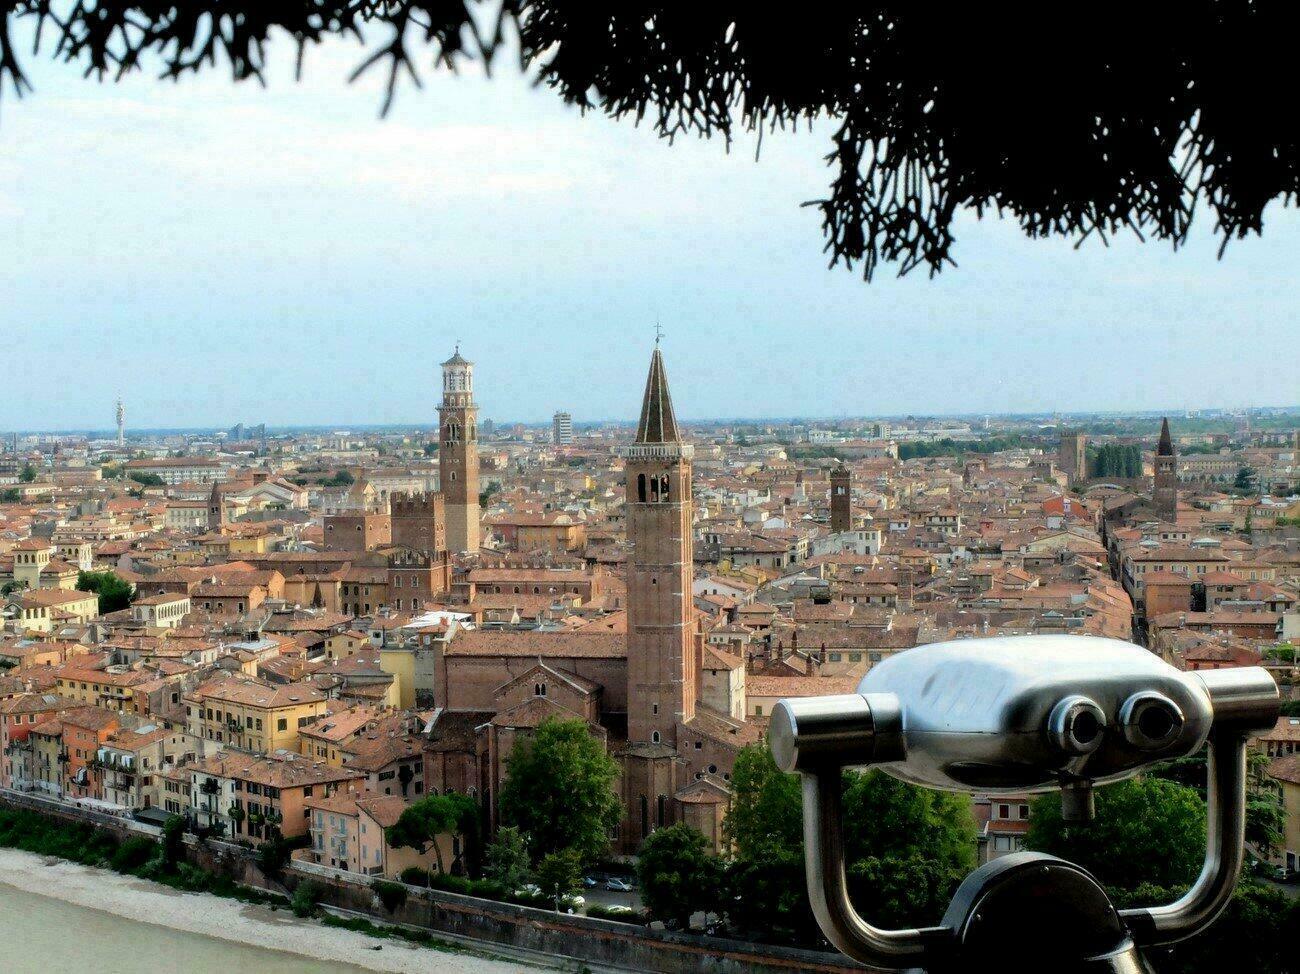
x=218, y=253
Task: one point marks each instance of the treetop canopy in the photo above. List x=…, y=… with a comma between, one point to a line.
x=1073, y=121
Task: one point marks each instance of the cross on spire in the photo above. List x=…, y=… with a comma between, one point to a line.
x=659, y=332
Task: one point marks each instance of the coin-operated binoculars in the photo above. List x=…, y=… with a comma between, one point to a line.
x=1013, y=716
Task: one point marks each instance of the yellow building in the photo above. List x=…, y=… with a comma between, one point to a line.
x=253, y=544
x=41, y=610
x=252, y=714
x=400, y=662
x=111, y=689
x=30, y=558
x=1286, y=772
x=341, y=645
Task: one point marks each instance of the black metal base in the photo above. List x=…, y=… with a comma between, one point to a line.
x=1030, y=912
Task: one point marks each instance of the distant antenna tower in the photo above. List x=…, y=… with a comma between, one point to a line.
x=121, y=423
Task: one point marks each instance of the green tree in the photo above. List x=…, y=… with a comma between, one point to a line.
x=28, y=474
x=114, y=592
x=908, y=848
x=341, y=478
x=173, y=841
x=766, y=811
x=678, y=873
x=148, y=480
x=560, y=790
x=10, y=495
x=1245, y=480
x=1147, y=830
x=506, y=859
x=422, y=822
x=1265, y=813
x=559, y=874
x=1256, y=933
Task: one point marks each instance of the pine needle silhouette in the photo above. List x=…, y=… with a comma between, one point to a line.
x=1076, y=122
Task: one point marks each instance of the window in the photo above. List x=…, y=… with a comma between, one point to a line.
x=640, y=487
x=654, y=737
x=282, y=724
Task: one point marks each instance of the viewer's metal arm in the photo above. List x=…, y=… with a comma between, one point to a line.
x=823, y=836
x=819, y=737
x=1244, y=699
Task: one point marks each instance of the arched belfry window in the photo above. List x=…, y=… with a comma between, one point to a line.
x=640, y=487
x=453, y=432
x=654, y=489
x=663, y=488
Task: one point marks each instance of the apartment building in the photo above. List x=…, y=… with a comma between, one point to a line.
x=252, y=714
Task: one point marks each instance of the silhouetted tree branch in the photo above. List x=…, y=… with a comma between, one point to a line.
x=1076, y=124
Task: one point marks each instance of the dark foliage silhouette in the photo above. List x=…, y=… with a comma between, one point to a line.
x=1126, y=117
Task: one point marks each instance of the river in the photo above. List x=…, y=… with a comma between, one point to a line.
x=48, y=936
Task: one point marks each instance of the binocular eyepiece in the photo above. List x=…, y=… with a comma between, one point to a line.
x=1014, y=716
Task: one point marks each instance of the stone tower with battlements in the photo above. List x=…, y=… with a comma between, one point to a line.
x=419, y=521
x=1072, y=455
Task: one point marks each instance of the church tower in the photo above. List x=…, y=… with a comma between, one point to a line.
x=660, y=644
x=1165, y=496
x=458, y=453
x=841, y=500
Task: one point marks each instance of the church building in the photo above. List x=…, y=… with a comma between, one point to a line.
x=660, y=699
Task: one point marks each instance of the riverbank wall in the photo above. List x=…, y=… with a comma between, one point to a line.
x=602, y=943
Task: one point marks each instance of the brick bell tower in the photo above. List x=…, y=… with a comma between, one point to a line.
x=660, y=645
x=841, y=500
x=1165, y=494
x=458, y=453
x=661, y=674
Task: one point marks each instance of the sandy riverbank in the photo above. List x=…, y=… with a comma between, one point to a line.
x=224, y=919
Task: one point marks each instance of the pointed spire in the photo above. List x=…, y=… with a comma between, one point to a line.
x=658, y=422
x=1166, y=446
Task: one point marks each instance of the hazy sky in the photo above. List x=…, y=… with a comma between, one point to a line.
x=219, y=253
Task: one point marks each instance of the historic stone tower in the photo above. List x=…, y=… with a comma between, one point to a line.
x=458, y=454
x=1165, y=495
x=660, y=653
x=841, y=500
x=216, y=507
x=661, y=665
x=419, y=521
x=1072, y=456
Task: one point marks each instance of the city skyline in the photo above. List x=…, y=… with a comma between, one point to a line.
x=1201, y=412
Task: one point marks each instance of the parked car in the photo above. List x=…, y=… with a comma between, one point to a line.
x=617, y=885
x=590, y=882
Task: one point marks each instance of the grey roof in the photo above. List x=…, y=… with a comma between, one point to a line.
x=658, y=422
x=457, y=359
